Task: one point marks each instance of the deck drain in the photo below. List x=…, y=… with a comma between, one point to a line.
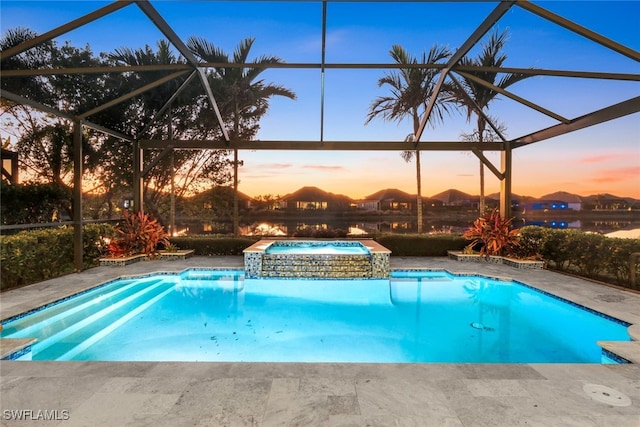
x=606, y=395
x=610, y=298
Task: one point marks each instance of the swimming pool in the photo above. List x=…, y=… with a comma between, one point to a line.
x=413, y=317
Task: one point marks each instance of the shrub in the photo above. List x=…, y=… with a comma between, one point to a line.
x=399, y=244
x=420, y=244
x=492, y=233
x=94, y=241
x=555, y=248
x=618, y=256
x=586, y=254
x=32, y=256
x=319, y=233
x=214, y=245
x=139, y=233
x=27, y=256
x=530, y=241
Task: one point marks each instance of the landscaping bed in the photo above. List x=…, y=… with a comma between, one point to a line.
x=523, y=264
x=122, y=261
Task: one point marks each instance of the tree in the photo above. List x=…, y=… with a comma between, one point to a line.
x=190, y=118
x=242, y=98
x=36, y=57
x=475, y=96
x=267, y=202
x=45, y=142
x=412, y=88
x=31, y=203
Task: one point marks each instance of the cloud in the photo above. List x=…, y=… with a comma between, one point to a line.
x=276, y=165
x=337, y=37
x=324, y=167
x=312, y=44
x=599, y=159
x=258, y=176
x=617, y=175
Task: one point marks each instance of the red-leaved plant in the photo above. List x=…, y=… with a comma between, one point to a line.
x=139, y=233
x=492, y=233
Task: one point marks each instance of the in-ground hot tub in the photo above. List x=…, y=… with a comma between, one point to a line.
x=321, y=259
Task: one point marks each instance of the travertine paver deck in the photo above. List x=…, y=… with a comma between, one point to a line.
x=298, y=394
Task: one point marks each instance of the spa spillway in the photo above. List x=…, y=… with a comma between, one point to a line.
x=321, y=259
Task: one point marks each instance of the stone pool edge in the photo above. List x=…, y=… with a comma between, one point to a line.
x=255, y=255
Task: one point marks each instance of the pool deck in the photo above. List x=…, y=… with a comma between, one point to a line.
x=311, y=394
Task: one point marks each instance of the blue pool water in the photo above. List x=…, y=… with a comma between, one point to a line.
x=415, y=317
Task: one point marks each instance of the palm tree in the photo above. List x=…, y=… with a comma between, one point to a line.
x=241, y=97
x=477, y=97
x=34, y=58
x=411, y=90
x=193, y=166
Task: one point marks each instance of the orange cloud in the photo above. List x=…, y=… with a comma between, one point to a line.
x=598, y=159
x=258, y=175
x=276, y=165
x=323, y=167
x=617, y=175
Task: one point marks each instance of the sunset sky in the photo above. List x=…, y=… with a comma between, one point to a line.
x=600, y=159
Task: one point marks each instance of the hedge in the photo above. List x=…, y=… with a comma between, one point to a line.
x=32, y=256
x=214, y=245
x=421, y=244
x=399, y=244
x=586, y=254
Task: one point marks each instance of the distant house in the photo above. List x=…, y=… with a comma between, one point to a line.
x=548, y=205
x=221, y=199
x=517, y=201
x=607, y=202
x=314, y=199
x=390, y=199
x=558, y=201
x=457, y=198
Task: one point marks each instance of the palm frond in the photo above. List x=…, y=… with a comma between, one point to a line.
x=411, y=87
x=479, y=96
x=407, y=155
x=206, y=51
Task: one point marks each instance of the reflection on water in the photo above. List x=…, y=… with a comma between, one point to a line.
x=349, y=228
x=625, y=234
x=263, y=229
x=559, y=224
x=288, y=227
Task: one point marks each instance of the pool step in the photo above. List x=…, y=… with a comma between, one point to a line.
x=47, y=322
x=115, y=320
x=316, y=266
x=78, y=328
